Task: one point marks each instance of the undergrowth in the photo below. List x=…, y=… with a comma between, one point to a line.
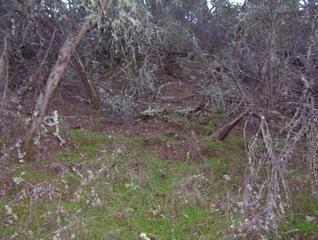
x=121, y=187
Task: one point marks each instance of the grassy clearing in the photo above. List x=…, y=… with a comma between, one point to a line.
x=117, y=187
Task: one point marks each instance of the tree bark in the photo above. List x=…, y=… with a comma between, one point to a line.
x=64, y=56
x=77, y=64
x=4, y=69
x=222, y=133
x=92, y=94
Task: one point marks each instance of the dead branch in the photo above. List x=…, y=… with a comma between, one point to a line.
x=222, y=133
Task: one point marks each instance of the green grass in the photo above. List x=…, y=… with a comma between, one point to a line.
x=169, y=137
x=32, y=174
x=303, y=225
x=209, y=121
x=129, y=204
x=138, y=192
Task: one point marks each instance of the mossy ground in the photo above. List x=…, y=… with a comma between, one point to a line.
x=117, y=187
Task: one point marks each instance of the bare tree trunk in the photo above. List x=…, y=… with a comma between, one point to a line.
x=270, y=85
x=64, y=56
x=92, y=94
x=4, y=69
x=76, y=63
x=153, y=7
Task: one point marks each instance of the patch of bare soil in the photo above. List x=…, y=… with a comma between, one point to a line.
x=49, y=145
x=55, y=168
x=174, y=92
x=164, y=149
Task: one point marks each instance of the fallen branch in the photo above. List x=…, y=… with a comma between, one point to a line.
x=223, y=132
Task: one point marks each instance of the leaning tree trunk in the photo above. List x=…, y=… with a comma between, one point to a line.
x=64, y=56
x=222, y=133
x=76, y=63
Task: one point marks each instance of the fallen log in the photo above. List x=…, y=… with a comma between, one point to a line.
x=223, y=132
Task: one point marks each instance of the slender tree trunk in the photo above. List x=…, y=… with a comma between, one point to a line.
x=92, y=94
x=76, y=63
x=4, y=70
x=64, y=56
x=154, y=7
